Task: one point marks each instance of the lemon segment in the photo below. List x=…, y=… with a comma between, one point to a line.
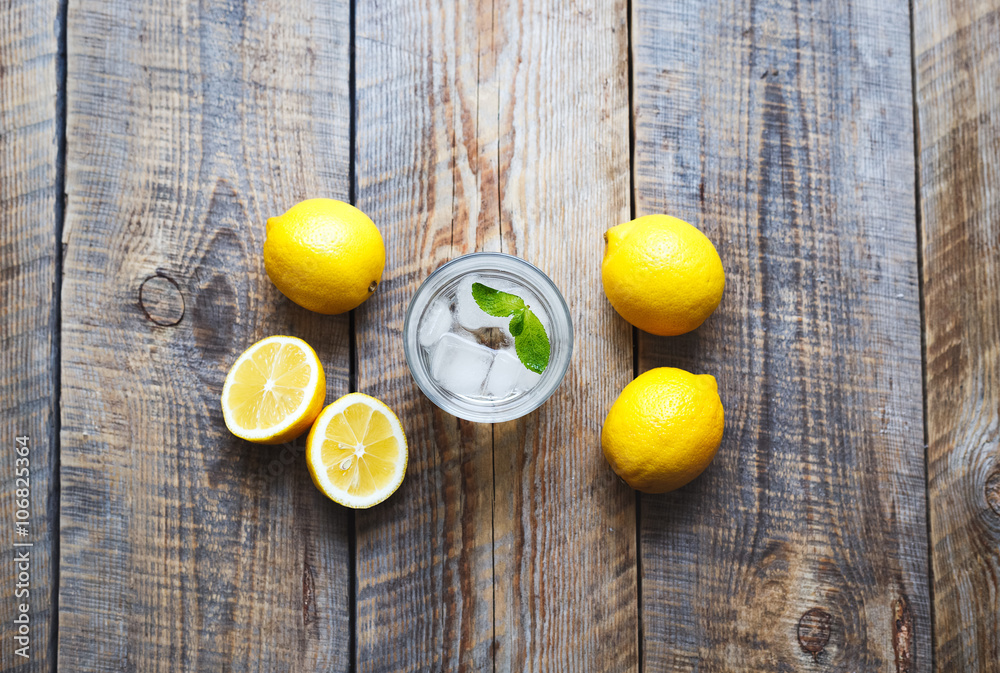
x=356, y=451
x=664, y=429
x=273, y=391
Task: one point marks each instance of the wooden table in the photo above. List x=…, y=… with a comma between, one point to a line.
x=843, y=156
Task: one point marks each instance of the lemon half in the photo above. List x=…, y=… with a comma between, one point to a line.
x=356, y=451
x=274, y=390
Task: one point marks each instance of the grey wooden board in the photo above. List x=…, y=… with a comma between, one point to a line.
x=784, y=132
x=958, y=100
x=29, y=218
x=510, y=547
x=182, y=547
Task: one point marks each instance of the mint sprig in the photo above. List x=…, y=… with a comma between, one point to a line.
x=531, y=343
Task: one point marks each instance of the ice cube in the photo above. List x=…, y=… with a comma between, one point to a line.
x=460, y=364
x=503, y=375
x=508, y=376
x=467, y=311
x=527, y=379
x=435, y=322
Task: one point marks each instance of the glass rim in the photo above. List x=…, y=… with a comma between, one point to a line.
x=537, y=281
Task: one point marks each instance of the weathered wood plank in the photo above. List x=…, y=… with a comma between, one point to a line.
x=784, y=132
x=188, y=125
x=564, y=524
x=483, y=128
x=958, y=103
x=29, y=214
x=424, y=557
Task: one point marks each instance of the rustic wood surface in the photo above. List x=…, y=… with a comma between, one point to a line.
x=957, y=65
x=424, y=558
x=801, y=138
x=466, y=567
x=30, y=174
x=786, y=136
x=183, y=548
x=564, y=524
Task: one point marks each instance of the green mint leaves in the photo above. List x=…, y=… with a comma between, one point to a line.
x=531, y=343
x=496, y=303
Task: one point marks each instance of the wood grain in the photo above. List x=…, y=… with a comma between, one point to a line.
x=29, y=220
x=425, y=556
x=958, y=102
x=496, y=127
x=564, y=524
x=784, y=133
x=184, y=548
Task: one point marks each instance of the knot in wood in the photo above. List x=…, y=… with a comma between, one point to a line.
x=161, y=300
x=992, y=492
x=814, y=631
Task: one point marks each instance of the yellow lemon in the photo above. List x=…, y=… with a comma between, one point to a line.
x=325, y=255
x=273, y=391
x=664, y=429
x=356, y=451
x=661, y=274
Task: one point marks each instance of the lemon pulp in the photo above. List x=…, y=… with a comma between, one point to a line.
x=357, y=451
x=274, y=390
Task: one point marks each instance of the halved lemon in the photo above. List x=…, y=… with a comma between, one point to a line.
x=356, y=451
x=274, y=391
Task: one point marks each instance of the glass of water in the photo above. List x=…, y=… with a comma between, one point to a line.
x=464, y=358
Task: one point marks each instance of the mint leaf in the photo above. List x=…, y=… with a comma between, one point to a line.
x=496, y=303
x=517, y=323
x=531, y=342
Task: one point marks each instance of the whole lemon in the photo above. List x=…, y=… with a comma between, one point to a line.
x=325, y=255
x=664, y=429
x=661, y=274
